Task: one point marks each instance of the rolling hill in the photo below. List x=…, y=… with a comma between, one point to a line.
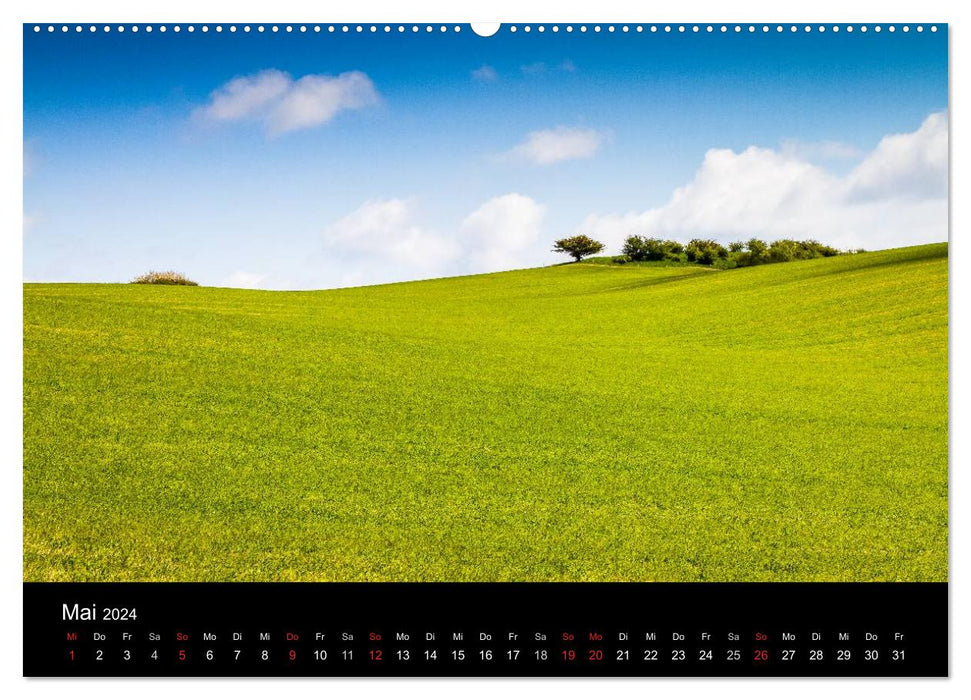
x=580, y=422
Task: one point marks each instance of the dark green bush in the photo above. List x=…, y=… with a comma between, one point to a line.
x=819, y=250
x=640, y=248
x=756, y=253
x=636, y=248
x=783, y=251
x=704, y=251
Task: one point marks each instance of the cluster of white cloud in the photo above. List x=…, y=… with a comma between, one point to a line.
x=387, y=229
x=896, y=195
x=556, y=145
x=282, y=104
x=912, y=166
x=498, y=233
x=485, y=74
x=388, y=233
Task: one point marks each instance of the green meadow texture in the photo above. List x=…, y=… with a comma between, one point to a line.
x=582, y=422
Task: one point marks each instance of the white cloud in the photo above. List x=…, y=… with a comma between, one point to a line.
x=555, y=145
x=386, y=230
x=244, y=280
x=896, y=196
x=385, y=240
x=246, y=96
x=912, y=165
x=568, y=65
x=500, y=232
x=485, y=73
x=282, y=104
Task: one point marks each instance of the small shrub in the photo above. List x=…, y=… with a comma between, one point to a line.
x=167, y=277
x=621, y=259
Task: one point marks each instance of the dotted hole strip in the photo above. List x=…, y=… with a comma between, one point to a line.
x=511, y=29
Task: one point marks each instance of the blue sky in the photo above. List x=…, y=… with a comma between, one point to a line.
x=315, y=160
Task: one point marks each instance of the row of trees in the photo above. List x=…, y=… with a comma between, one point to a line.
x=705, y=251
x=702, y=251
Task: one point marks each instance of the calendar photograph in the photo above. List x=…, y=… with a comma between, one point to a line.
x=426, y=304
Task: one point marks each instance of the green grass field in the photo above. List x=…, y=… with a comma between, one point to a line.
x=580, y=422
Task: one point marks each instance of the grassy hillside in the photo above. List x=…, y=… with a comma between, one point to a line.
x=579, y=422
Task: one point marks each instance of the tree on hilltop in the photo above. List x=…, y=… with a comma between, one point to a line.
x=578, y=246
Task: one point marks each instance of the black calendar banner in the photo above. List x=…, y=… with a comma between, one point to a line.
x=485, y=629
